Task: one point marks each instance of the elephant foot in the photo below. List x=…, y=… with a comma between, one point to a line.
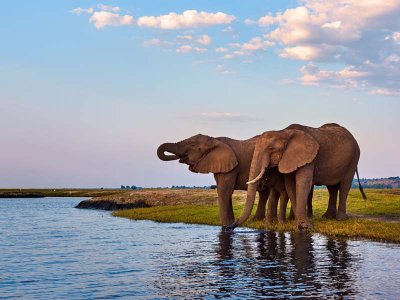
x=291, y=215
x=282, y=220
x=341, y=216
x=329, y=215
x=304, y=225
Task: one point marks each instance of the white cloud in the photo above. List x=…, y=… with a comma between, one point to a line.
x=248, y=48
x=204, y=39
x=184, y=38
x=228, y=29
x=108, y=8
x=105, y=18
x=228, y=56
x=385, y=92
x=396, y=36
x=188, y=19
x=221, y=50
x=189, y=48
x=306, y=53
x=224, y=71
x=255, y=44
x=363, y=35
x=156, y=42
x=79, y=10
x=250, y=22
x=348, y=77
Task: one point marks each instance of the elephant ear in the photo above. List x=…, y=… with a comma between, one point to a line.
x=220, y=159
x=301, y=149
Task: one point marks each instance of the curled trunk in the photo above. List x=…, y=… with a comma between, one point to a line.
x=167, y=147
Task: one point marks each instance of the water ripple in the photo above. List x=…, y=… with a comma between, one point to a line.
x=51, y=250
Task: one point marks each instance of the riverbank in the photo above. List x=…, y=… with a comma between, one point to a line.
x=41, y=193
x=377, y=218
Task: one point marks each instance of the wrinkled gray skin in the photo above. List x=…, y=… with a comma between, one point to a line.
x=307, y=156
x=228, y=159
x=275, y=182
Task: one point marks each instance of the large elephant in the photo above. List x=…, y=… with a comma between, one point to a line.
x=227, y=158
x=307, y=156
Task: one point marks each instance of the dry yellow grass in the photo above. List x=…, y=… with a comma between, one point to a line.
x=377, y=218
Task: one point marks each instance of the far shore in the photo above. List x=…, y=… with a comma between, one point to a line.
x=41, y=193
x=377, y=218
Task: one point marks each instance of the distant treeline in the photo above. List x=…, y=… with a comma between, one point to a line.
x=379, y=183
x=374, y=183
x=183, y=187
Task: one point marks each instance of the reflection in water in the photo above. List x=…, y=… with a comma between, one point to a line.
x=59, y=252
x=265, y=264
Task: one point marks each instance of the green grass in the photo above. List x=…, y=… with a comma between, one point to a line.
x=372, y=225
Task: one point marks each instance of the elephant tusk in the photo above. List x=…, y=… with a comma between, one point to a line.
x=257, y=178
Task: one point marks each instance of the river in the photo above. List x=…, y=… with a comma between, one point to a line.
x=51, y=250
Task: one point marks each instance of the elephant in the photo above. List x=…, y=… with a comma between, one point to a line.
x=274, y=180
x=306, y=156
x=228, y=159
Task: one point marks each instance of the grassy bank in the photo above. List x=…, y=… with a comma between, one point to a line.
x=37, y=193
x=378, y=218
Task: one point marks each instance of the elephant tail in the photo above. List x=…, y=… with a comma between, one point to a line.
x=360, y=186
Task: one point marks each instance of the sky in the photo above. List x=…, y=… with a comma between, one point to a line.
x=88, y=90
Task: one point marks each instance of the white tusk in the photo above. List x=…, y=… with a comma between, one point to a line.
x=257, y=178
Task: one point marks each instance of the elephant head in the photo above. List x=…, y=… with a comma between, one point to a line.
x=203, y=154
x=288, y=150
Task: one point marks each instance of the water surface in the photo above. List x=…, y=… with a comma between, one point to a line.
x=51, y=250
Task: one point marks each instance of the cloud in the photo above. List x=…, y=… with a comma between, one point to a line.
x=248, y=48
x=108, y=8
x=101, y=19
x=79, y=10
x=204, y=39
x=221, y=50
x=184, y=38
x=224, y=70
x=156, y=42
x=188, y=19
x=228, y=29
x=366, y=41
x=306, y=53
x=385, y=92
x=348, y=77
x=189, y=48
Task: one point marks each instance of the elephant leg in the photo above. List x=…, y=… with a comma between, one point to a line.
x=283, y=200
x=331, y=211
x=344, y=189
x=225, y=188
x=291, y=214
x=262, y=202
x=290, y=186
x=304, y=181
x=272, y=215
x=309, y=202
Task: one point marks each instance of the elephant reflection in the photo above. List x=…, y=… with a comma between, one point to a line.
x=295, y=264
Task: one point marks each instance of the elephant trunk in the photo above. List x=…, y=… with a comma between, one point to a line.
x=258, y=165
x=168, y=147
